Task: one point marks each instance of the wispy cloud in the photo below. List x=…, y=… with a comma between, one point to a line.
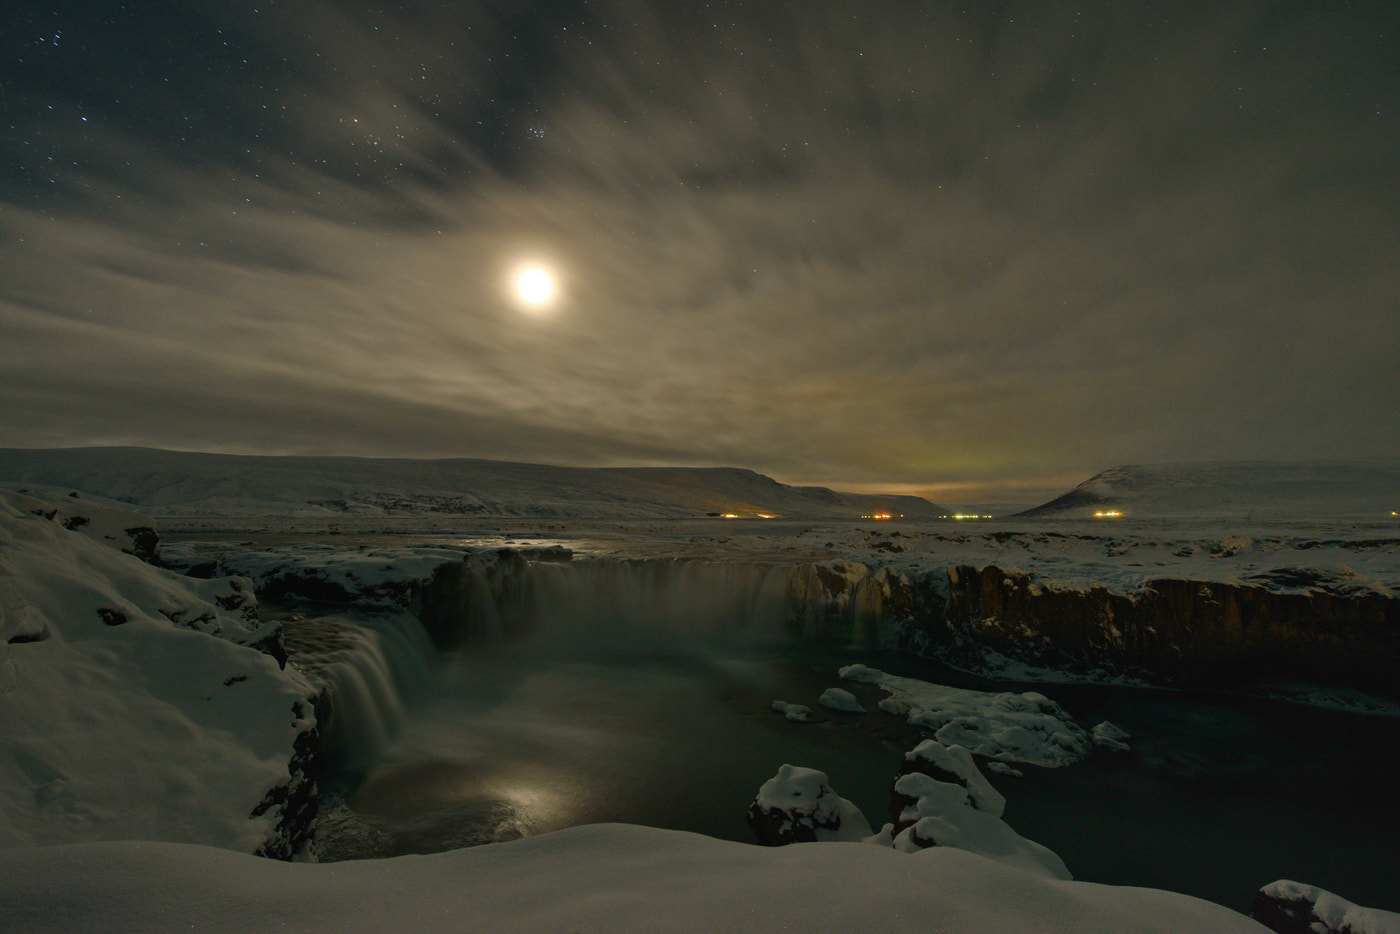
x=844, y=242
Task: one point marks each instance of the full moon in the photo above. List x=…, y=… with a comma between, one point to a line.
x=535, y=286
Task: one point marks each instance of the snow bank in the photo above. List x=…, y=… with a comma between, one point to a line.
x=1285, y=906
x=1027, y=727
x=593, y=878
x=132, y=704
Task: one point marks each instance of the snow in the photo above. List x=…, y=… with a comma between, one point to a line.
x=797, y=713
x=172, y=483
x=1335, y=912
x=593, y=878
x=1026, y=727
x=1245, y=490
x=840, y=699
x=980, y=833
x=805, y=796
x=131, y=704
x=957, y=760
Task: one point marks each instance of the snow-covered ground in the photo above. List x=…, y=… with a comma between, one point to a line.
x=134, y=702
x=592, y=878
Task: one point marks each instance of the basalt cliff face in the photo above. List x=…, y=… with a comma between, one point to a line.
x=1172, y=631
x=1289, y=624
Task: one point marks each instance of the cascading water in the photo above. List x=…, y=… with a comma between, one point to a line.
x=620, y=606
x=375, y=660
x=372, y=662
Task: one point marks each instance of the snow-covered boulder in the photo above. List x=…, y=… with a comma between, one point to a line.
x=840, y=699
x=941, y=798
x=1293, y=908
x=954, y=765
x=135, y=703
x=799, y=806
x=1111, y=736
x=797, y=713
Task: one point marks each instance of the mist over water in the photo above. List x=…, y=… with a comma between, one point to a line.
x=641, y=693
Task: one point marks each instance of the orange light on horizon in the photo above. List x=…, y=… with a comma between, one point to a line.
x=1107, y=514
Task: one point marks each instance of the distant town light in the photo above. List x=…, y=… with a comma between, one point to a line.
x=961, y=516
x=1107, y=514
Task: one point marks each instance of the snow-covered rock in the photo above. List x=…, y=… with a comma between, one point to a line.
x=840, y=699
x=954, y=764
x=135, y=703
x=797, y=713
x=1026, y=727
x=123, y=529
x=1111, y=736
x=941, y=798
x=798, y=805
x=1288, y=907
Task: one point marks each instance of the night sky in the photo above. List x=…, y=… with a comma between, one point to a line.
x=969, y=250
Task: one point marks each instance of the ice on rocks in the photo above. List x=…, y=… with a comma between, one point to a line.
x=1111, y=736
x=842, y=700
x=1026, y=727
x=797, y=713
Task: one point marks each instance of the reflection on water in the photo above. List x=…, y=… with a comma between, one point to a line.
x=1217, y=797
x=519, y=744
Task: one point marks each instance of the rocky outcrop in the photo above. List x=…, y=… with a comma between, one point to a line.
x=799, y=806
x=941, y=798
x=1174, y=630
x=1293, y=908
x=294, y=804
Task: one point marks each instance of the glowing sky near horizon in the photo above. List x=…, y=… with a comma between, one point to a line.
x=969, y=250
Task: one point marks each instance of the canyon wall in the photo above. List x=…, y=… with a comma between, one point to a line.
x=1296, y=624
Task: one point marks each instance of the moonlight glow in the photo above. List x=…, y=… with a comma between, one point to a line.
x=535, y=286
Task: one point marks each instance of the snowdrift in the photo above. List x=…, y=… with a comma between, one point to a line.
x=594, y=878
x=138, y=703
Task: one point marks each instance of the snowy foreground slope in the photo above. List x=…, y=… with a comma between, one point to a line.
x=593, y=878
x=135, y=702
x=1238, y=490
x=171, y=483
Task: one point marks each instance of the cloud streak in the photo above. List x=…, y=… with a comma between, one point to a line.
x=859, y=244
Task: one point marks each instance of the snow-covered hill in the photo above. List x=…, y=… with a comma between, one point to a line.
x=171, y=483
x=136, y=703
x=1361, y=489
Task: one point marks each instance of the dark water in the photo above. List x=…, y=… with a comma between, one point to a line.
x=1219, y=795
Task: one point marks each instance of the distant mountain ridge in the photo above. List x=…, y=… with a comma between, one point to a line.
x=175, y=483
x=1257, y=489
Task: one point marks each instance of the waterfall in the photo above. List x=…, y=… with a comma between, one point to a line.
x=626, y=606
x=371, y=662
x=375, y=660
